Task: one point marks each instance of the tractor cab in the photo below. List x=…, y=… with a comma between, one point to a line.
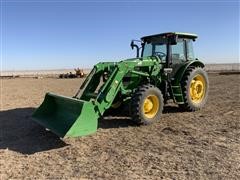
x=171, y=48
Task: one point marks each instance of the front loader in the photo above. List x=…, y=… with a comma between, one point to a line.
x=166, y=69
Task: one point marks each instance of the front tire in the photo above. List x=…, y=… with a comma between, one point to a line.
x=146, y=105
x=195, y=87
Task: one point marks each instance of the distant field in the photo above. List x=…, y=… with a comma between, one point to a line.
x=209, y=67
x=223, y=67
x=30, y=73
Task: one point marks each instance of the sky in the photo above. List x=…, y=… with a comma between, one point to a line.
x=57, y=34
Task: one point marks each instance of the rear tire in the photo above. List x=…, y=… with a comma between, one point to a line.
x=195, y=87
x=146, y=105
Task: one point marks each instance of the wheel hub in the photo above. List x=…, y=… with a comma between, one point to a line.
x=197, y=89
x=150, y=106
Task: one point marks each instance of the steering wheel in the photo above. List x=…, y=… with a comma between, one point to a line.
x=160, y=54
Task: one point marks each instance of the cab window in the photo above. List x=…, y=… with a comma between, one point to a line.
x=148, y=48
x=155, y=49
x=160, y=50
x=190, y=53
x=178, y=52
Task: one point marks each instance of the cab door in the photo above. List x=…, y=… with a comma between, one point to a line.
x=178, y=56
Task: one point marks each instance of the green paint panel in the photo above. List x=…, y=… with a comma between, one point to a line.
x=67, y=117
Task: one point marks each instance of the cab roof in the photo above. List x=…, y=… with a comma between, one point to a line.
x=179, y=34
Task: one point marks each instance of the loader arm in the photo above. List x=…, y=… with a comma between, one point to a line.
x=104, y=98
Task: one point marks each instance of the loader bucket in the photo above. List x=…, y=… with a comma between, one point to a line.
x=67, y=117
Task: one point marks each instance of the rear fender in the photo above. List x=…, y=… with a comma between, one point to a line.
x=179, y=75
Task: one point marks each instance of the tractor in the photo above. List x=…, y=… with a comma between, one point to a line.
x=164, y=69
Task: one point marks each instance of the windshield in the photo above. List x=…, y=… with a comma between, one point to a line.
x=155, y=48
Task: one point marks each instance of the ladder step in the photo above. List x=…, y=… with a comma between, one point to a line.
x=92, y=95
x=180, y=102
x=177, y=94
x=175, y=86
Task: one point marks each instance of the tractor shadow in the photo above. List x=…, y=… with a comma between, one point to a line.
x=172, y=109
x=122, y=119
x=109, y=122
x=116, y=118
x=18, y=132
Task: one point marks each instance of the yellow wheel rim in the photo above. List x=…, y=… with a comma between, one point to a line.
x=197, y=88
x=150, y=106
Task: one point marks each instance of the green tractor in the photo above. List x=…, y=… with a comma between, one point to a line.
x=165, y=69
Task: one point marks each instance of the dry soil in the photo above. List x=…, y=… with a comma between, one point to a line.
x=182, y=145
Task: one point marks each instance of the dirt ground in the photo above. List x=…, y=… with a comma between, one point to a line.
x=182, y=145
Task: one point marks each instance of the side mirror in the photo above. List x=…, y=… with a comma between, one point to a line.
x=133, y=45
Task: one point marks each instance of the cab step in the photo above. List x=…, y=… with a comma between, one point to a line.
x=177, y=94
